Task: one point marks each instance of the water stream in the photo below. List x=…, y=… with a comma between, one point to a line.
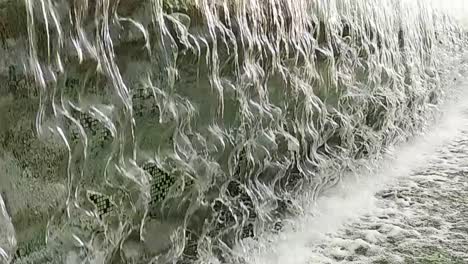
x=177, y=131
x=409, y=208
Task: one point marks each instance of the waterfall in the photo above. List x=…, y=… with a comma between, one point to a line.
x=167, y=131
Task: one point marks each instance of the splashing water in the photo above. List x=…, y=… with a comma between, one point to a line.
x=169, y=131
x=354, y=222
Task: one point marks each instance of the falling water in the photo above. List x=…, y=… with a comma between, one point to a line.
x=168, y=131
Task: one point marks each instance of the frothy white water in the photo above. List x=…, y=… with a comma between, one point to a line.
x=355, y=196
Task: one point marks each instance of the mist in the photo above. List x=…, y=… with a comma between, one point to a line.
x=457, y=8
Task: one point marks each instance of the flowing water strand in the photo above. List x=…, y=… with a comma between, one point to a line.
x=181, y=127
